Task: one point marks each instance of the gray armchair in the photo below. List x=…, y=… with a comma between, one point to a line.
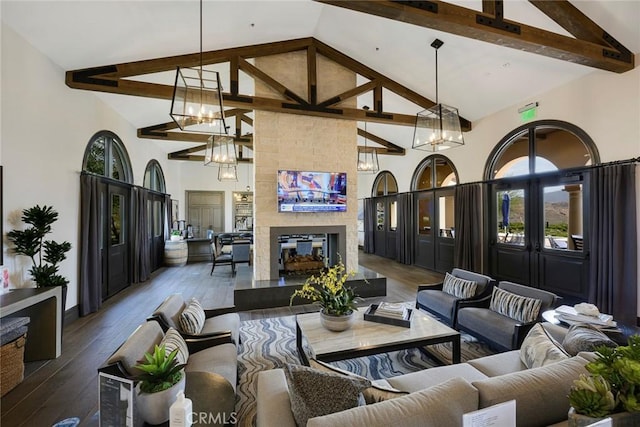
x=501, y=332
x=445, y=306
x=221, y=321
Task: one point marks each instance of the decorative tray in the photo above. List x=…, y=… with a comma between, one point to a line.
x=371, y=316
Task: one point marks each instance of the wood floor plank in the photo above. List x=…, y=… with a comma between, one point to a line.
x=67, y=386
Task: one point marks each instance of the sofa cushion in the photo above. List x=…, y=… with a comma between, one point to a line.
x=517, y=307
x=438, y=302
x=540, y=349
x=142, y=340
x=374, y=394
x=426, y=378
x=173, y=340
x=220, y=359
x=499, y=364
x=192, y=318
x=458, y=287
x=170, y=310
x=438, y=406
x=315, y=393
x=540, y=393
x=486, y=323
x=223, y=322
x=584, y=337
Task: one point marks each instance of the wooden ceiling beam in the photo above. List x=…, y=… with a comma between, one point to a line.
x=256, y=73
x=489, y=28
x=390, y=147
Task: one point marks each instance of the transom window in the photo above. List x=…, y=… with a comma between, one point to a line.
x=153, y=177
x=384, y=184
x=105, y=155
x=433, y=172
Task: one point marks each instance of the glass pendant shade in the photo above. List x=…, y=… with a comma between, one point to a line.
x=437, y=128
x=227, y=173
x=197, y=101
x=221, y=149
x=368, y=160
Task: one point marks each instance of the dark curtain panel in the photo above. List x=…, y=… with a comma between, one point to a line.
x=369, y=226
x=468, y=230
x=406, y=229
x=90, y=245
x=613, y=242
x=141, y=239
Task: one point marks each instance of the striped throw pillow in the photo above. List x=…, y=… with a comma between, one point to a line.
x=517, y=307
x=192, y=318
x=172, y=340
x=457, y=287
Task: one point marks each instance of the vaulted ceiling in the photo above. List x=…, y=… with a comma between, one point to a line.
x=496, y=53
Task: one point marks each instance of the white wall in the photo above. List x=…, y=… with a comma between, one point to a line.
x=45, y=129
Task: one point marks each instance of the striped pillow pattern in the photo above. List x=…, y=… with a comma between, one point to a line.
x=172, y=340
x=457, y=287
x=517, y=307
x=192, y=318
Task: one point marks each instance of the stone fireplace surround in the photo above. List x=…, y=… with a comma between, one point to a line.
x=336, y=243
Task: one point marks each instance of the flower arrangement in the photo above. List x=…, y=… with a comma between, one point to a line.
x=614, y=384
x=329, y=291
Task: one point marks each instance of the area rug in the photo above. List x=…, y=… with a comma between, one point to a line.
x=271, y=343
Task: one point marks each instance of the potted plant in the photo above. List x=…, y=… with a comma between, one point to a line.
x=328, y=289
x=45, y=254
x=161, y=379
x=612, y=389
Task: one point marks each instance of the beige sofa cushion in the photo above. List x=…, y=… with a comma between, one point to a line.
x=420, y=380
x=499, y=364
x=220, y=359
x=540, y=349
x=540, y=393
x=438, y=406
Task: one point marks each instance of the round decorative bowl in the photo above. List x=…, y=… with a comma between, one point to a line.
x=337, y=323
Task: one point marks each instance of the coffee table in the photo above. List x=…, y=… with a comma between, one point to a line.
x=365, y=338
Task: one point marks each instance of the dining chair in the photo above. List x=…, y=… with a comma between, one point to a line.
x=240, y=254
x=217, y=257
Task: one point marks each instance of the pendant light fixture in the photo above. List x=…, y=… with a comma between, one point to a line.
x=367, y=156
x=220, y=150
x=227, y=173
x=196, y=105
x=437, y=128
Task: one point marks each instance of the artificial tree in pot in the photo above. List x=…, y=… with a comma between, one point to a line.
x=45, y=254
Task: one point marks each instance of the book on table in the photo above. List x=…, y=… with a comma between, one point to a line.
x=392, y=309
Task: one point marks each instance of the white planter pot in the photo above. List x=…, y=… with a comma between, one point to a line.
x=154, y=407
x=336, y=323
x=620, y=419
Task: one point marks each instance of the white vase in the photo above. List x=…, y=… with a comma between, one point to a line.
x=336, y=323
x=154, y=407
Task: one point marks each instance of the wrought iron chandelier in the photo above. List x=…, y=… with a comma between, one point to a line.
x=437, y=128
x=367, y=156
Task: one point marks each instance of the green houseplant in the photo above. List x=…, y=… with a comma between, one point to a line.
x=613, y=386
x=45, y=254
x=329, y=291
x=160, y=380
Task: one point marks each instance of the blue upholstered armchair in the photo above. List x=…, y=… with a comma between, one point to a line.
x=443, y=304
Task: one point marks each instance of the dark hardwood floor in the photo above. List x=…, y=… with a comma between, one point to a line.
x=67, y=386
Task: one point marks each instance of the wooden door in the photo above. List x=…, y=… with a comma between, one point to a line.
x=205, y=211
x=117, y=236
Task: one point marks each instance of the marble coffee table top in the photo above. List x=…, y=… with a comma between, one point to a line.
x=366, y=337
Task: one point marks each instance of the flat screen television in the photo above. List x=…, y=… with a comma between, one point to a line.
x=303, y=191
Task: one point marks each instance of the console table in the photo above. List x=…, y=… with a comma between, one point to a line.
x=44, y=307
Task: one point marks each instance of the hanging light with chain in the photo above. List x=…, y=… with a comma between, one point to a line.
x=367, y=156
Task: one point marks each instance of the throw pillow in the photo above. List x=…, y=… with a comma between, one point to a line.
x=373, y=394
x=585, y=337
x=458, y=287
x=517, y=307
x=314, y=393
x=540, y=349
x=172, y=340
x=192, y=318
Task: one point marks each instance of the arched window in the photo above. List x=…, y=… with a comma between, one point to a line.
x=153, y=177
x=433, y=172
x=105, y=155
x=384, y=184
x=542, y=146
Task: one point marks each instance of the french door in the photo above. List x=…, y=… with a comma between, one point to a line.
x=386, y=226
x=536, y=233
x=435, y=231
x=155, y=231
x=116, y=226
